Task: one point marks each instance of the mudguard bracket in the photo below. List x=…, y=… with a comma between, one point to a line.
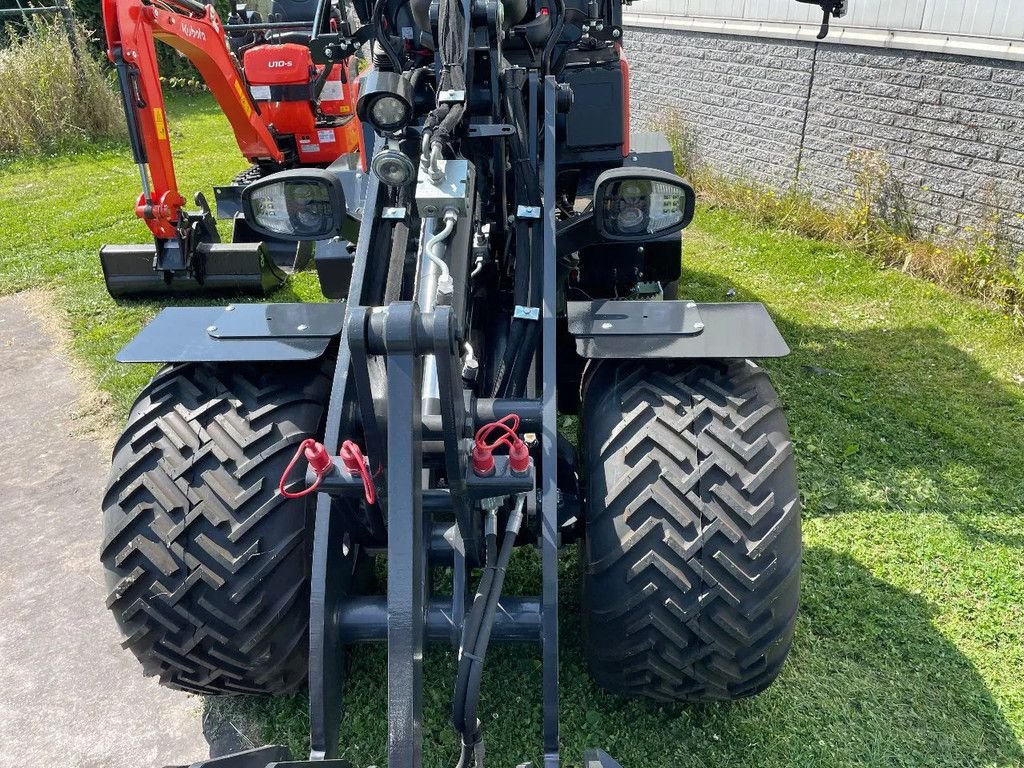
x=236, y=333
x=627, y=330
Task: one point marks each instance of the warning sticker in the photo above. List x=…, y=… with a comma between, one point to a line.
x=326, y=136
x=332, y=91
x=243, y=99
x=305, y=146
x=159, y=124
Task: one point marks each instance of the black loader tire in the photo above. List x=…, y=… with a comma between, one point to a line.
x=207, y=565
x=692, y=538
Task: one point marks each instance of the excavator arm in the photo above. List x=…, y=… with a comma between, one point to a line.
x=195, y=30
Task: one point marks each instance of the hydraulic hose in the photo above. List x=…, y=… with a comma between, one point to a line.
x=555, y=36
x=473, y=621
x=515, y=364
x=515, y=521
x=467, y=694
x=436, y=245
x=321, y=80
x=475, y=618
x=381, y=37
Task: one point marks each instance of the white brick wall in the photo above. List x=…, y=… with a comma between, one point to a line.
x=952, y=128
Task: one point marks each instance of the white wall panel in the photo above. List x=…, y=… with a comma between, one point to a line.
x=984, y=18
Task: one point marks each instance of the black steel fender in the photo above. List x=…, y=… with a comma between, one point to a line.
x=237, y=333
x=628, y=330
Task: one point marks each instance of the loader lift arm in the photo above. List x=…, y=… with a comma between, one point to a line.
x=195, y=30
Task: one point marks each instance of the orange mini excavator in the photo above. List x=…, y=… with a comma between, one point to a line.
x=286, y=112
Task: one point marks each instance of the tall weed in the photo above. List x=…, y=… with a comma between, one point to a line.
x=49, y=98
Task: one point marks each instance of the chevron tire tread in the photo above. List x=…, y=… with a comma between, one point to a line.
x=207, y=565
x=692, y=544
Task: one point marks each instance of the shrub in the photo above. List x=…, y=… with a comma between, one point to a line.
x=49, y=98
x=980, y=262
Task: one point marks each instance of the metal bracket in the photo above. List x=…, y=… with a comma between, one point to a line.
x=533, y=212
x=622, y=318
x=527, y=313
x=490, y=130
x=451, y=97
x=394, y=214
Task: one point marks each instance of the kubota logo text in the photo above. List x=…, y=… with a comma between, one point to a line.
x=193, y=32
x=279, y=64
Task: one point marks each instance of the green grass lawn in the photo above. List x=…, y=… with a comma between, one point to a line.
x=907, y=407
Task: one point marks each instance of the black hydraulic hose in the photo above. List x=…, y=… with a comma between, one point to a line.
x=381, y=36
x=521, y=297
x=195, y=6
x=472, y=702
x=515, y=365
x=503, y=372
x=472, y=627
x=555, y=37
x=521, y=174
x=475, y=618
x=524, y=361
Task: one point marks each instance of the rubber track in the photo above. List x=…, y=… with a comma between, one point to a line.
x=207, y=565
x=693, y=531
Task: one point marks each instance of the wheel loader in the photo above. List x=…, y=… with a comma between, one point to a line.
x=515, y=244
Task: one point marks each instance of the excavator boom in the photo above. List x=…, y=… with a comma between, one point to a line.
x=132, y=26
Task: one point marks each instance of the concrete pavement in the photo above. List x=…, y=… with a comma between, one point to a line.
x=69, y=695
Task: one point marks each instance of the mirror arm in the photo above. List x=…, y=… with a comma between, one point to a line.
x=350, y=227
x=577, y=233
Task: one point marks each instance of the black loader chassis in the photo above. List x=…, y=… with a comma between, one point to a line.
x=426, y=401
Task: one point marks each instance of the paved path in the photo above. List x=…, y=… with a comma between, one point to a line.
x=69, y=695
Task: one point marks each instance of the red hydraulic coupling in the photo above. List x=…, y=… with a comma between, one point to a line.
x=519, y=457
x=357, y=464
x=319, y=461
x=485, y=444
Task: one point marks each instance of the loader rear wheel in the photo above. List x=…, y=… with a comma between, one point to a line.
x=692, y=540
x=207, y=565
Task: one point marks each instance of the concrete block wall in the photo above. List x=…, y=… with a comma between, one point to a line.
x=950, y=128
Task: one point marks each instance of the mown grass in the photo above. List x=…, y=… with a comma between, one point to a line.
x=907, y=408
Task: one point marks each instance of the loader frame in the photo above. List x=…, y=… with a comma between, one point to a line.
x=385, y=350
x=410, y=616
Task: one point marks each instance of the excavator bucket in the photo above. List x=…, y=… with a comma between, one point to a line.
x=132, y=270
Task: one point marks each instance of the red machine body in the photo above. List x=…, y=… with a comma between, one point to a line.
x=282, y=79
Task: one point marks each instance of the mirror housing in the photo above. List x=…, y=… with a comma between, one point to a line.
x=305, y=204
x=641, y=204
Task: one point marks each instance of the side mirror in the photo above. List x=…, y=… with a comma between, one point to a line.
x=640, y=204
x=831, y=9
x=299, y=205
